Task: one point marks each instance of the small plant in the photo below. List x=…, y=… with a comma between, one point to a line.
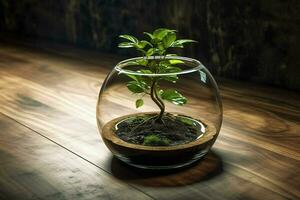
x=159, y=43
x=174, y=137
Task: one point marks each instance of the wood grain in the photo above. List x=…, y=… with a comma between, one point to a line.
x=54, y=92
x=32, y=167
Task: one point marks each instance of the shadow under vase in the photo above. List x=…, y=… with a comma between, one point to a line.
x=204, y=169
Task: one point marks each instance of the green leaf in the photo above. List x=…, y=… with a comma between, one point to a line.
x=132, y=63
x=139, y=103
x=171, y=78
x=161, y=33
x=130, y=38
x=141, y=50
x=150, y=35
x=172, y=69
x=176, y=45
x=160, y=46
x=152, y=63
x=173, y=96
x=165, y=66
x=142, y=62
x=150, y=52
x=141, y=44
x=174, y=62
x=146, y=71
x=148, y=43
x=135, y=87
x=161, y=49
x=179, y=43
x=157, y=51
x=169, y=39
x=134, y=77
x=126, y=45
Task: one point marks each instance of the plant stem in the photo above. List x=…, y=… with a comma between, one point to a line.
x=162, y=108
x=157, y=100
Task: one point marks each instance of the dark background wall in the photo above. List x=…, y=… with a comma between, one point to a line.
x=256, y=40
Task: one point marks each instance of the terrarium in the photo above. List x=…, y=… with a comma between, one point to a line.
x=160, y=110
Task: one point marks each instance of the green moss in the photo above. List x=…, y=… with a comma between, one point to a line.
x=154, y=140
x=187, y=121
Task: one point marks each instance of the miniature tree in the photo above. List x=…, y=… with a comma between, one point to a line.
x=159, y=43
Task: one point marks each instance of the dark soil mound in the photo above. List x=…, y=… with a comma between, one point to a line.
x=146, y=130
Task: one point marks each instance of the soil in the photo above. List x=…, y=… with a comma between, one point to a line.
x=147, y=130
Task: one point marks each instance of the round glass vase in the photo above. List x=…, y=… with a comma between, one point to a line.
x=196, y=120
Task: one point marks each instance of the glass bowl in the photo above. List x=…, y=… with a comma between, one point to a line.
x=200, y=115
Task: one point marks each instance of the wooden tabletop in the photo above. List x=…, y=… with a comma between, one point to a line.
x=50, y=147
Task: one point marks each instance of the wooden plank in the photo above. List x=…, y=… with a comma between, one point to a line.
x=261, y=158
x=32, y=167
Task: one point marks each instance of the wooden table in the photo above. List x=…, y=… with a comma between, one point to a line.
x=50, y=147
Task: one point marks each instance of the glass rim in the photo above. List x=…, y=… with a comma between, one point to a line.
x=124, y=63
